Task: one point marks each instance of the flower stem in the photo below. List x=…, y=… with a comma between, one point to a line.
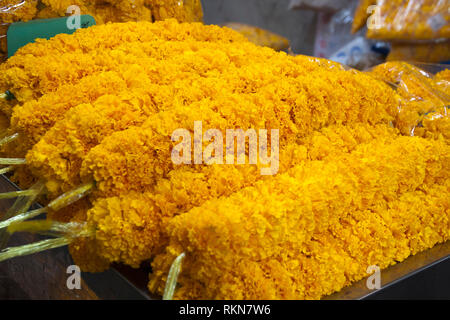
x=33, y=248
x=8, y=139
x=22, y=217
x=172, y=278
x=13, y=161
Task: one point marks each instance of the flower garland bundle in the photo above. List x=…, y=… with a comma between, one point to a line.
x=424, y=98
x=103, y=12
x=93, y=50
x=411, y=20
x=130, y=227
x=175, y=68
x=339, y=159
x=435, y=53
x=276, y=240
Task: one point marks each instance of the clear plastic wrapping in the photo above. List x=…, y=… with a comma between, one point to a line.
x=424, y=96
x=319, y=5
x=424, y=52
x=335, y=41
x=404, y=20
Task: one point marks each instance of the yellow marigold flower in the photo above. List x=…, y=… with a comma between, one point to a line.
x=17, y=10
x=32, y=119
x=236, y=75
x=59, y=154
x=361, y=14
x=423, y=52
x=187, y=187
x=92, y=50
x=443, y=75
x=183, y=11
x=411, y=20
x=143, y=154
x=84, y=251
x=260, y=36
x=283, y=220
x=434, y=125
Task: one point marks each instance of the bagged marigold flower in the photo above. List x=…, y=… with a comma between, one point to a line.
x=434, y=52
x=183, y=11
x=420, y=93
x=411, y=20
x=260, y=36
x=362, y=12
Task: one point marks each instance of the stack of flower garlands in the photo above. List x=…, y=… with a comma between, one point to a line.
x=363, y=176
x=103, y=11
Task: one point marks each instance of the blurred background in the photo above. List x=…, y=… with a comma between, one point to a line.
x=298, y=26
x=413, y=30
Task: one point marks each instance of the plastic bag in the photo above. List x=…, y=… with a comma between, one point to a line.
x=423, y=52
x=424, y=97
x=405, y=20
x=103, y=11
x=334, y=41
x=319, y=5
x=260, y=36
x=183, y=11
x=361, y=14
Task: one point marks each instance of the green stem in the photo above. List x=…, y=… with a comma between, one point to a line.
x=70, y=197
x=8, y=139
x=22, y=217
x=6, y=169
x=172, y=278
x=34, y=248
x=21, y=205
x=53, y=228
x=13, y=161
x=7, y=95
x=15, y=194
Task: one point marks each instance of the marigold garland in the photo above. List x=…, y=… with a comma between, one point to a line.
x=349, y=190
x=274, y=240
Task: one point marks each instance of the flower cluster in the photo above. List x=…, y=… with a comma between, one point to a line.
x=106, y=114
x=85, y=71
x=314, y=229
x=435, y=53
x=93, y=50
x=260, y=36
x=423, y=98
x=133, y=233
x=103, y=11
x=225, y=83
x=405, y=20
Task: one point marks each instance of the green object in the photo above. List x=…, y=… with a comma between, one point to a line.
x=21, y=33
x=9, y=96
